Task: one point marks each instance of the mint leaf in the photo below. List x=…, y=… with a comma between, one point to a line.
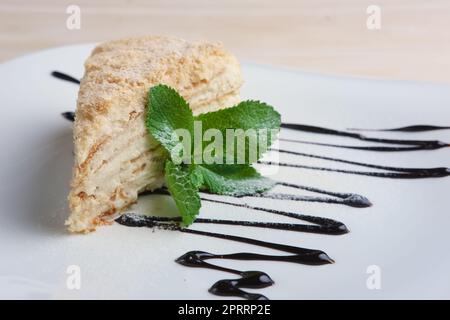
x=170, y=121
x=253, y=115
x=183, y=191
x=167, y=112
x=234, y=180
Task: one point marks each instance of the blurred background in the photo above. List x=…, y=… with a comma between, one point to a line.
x=395, y=39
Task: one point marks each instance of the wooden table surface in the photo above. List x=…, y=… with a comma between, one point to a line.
x=326, y=36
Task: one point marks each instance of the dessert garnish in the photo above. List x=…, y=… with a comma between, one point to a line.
x=221, y=166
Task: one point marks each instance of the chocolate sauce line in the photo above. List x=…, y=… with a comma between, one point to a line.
x=342, y=195
x=324, y=226
x=65, y=77
x=424, y=172
x=363, y=148
x=414, y=128
x=352, y=202
x=348, y=199
x=425, y=144
x=391, y=175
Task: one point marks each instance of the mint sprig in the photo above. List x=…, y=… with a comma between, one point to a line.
x=168, y=112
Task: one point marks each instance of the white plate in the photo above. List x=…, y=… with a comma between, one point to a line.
x=405, y=233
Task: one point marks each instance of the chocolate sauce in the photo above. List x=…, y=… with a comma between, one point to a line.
x=324, y=226
x=342, y=195
x=228, y=287
x=355, y=201
x=249, y=279
x=69, y=115
x=348, y=199
x=415, y=128
x=411, y=173
x=391, y=175
x=321, y=225
x=65, y=77
x=423, y=144
x=363, y=148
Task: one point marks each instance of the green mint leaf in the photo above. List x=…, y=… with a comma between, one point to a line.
x=167, y=112
x=169, y=119
x=234, y=180
x=183, y=191
x=253, y=115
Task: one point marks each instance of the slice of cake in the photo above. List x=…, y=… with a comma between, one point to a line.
x=115, y=158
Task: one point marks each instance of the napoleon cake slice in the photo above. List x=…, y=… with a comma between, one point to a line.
x=115, y=158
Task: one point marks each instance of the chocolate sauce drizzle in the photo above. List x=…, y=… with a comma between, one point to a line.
x=393, y=172
x=249, y=279
x=415, y=128
x=362, y=148
x=391, y=175
x=418, y=144
x=348, y=199
x=318, y=225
